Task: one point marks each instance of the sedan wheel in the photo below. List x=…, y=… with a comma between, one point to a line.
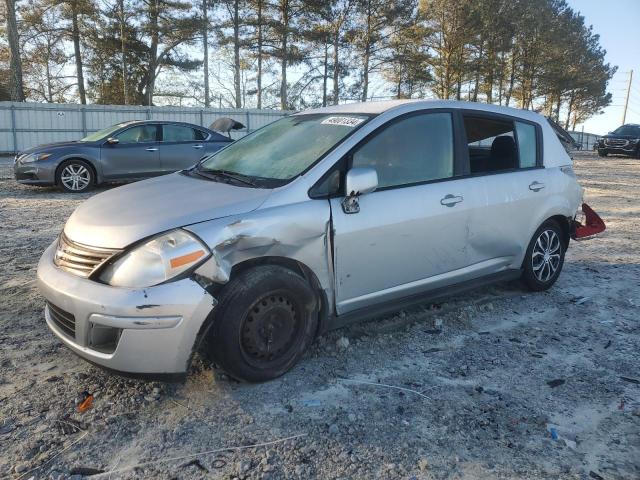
x=545, y=257
x=75, y=176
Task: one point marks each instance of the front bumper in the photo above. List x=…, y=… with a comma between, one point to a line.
x=35, y=173
x=156, y=327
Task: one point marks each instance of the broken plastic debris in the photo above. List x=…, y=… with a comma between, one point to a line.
x=553, y=432
x=311, y=403
x=85, y=402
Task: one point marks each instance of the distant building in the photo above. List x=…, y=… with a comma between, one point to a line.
x=585, y=140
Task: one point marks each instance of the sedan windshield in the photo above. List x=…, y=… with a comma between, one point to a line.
x=285, y=148
x=105, y=132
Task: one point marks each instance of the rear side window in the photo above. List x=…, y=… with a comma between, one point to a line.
x=415, y=149
x=527, y=145
x=178, y=133
x=491, y=143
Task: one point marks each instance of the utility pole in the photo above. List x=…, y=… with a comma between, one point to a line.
x=626, y=100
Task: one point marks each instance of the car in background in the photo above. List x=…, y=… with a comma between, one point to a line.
x=123, y=152
x=624, y=140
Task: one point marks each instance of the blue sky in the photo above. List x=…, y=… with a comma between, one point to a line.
x=618, y=24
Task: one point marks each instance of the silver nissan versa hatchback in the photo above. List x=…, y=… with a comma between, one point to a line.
x=313, y=221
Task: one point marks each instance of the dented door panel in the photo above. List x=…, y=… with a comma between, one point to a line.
x=297, y=231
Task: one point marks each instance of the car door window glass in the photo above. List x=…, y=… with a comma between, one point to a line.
x=491, y=143
x=139, y=134
x=526, y=144
x=412, y=150
x=177, y=133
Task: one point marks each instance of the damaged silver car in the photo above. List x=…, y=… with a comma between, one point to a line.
x=316, y=220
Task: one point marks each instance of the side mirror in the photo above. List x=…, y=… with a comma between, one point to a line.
x=112, y=141
x=358, y=181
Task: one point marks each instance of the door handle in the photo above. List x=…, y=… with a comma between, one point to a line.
x=197, y=146
x=450, y=200
x=151, y=149
x=536, y=186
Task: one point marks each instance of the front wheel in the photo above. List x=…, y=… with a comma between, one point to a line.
x=545, y=257
x=602, y=153
x=75, y=176
x=265, y=320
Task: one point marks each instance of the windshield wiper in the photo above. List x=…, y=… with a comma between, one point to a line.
x=224, y=173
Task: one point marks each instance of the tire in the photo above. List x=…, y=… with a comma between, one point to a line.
x=263, y=309
x=75, y=176
x=602, y=153
x=545, y=257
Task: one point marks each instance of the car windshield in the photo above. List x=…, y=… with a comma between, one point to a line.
x=285, y=148
x=628, y=130
x=105, y=132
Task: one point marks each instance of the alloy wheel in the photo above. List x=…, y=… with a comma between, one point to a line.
x=75, y=177
x=546, y=255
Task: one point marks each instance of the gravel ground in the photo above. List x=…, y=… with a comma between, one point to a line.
x=500, y=383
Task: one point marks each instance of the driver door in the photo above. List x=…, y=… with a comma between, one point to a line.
x=136, y=155
x=411, y=233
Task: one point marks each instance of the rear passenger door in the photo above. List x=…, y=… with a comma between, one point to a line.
x=181, y=147
x=505, y=153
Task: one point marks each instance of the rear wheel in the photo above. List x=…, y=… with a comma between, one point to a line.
x=75, y=176
x=265, y=320
x=545, y=257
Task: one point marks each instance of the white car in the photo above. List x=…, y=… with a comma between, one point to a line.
x=311, y=222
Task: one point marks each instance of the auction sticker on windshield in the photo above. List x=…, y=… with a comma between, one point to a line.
x=343, y=121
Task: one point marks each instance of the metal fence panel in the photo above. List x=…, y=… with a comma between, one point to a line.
x=26, y=125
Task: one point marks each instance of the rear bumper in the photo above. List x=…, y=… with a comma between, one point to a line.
x=137, y=331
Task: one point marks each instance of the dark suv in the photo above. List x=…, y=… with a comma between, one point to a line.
x=624, y=140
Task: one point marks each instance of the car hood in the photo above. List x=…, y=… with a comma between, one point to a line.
x=621, y=137
x=52, y=146
x=120, y=216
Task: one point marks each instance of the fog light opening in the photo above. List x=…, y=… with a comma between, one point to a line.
x=103, y=339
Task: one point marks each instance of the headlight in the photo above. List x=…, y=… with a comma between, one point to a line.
x=156, y=261
x=35, y=157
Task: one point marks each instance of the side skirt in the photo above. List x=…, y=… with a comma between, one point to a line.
x=383, y=308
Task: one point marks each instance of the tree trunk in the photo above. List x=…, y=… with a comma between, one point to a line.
x=123, y=51
x=284, y=12
x=512, y=79
x=259, y=73
x=205, y=52
x=236, y=54
x=75, y=32
x=326, y=71
x=367, y=55
x=153, y=51
x=16, y=88
x=336, y=66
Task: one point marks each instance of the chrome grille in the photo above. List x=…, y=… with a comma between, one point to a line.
x=616, y=142
x=65, y=321
x=79, y=259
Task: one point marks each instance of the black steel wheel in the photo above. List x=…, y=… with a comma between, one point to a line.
x=265, y=320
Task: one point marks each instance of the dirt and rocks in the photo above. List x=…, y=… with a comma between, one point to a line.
x=500, y=383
